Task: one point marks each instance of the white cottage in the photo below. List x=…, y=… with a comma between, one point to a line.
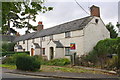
x=77, y=36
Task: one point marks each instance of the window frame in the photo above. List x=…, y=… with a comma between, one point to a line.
x=33, y=40
x=67, y=34
x=43, y=51
x=67, y=50
x=23, y=41
x=18, y=43
x=51, y=37
x=43, y=38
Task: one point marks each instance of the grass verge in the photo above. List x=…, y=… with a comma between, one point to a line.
x=46, y=68
x=8, y=66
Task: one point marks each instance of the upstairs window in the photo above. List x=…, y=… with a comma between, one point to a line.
x=18, y=42
x=43, y=38
x=24, y=42
x=51, y=37
x=67, y=34
x=33, y=40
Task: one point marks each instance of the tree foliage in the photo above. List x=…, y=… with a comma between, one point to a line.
x=113, y=33
x=6, y=47
x=20, y=13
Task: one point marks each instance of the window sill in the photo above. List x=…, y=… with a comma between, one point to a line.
x=67, y=37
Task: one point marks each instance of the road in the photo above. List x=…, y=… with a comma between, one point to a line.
x=10, y=76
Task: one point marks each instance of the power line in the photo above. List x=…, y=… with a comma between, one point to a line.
x=82, y=7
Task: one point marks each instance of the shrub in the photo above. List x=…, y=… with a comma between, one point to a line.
x=8, y=47
x=58, y=62
x=11, y=58
x=8, y=60
x=27, y=63
x=112, y=63
x=7, y=53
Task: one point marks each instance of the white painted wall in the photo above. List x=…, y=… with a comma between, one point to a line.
x=37, y=51
x=93, y=33
x=59, y=53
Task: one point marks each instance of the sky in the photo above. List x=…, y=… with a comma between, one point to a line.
x=65, y=11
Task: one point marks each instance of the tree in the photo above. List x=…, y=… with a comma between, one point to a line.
x=20, y=13
x=113, y=33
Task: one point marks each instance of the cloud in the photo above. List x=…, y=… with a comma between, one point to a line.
x=68, y=11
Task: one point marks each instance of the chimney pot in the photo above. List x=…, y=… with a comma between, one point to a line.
x=17, y=34
x=40, y=26
x=40, y=22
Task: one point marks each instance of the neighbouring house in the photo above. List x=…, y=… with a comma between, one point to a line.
x=77, y=36
x=7, y=38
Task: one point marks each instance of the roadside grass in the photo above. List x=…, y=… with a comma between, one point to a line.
x=46, y=68
x=9, y=66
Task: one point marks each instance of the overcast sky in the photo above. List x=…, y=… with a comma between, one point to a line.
x=69, y=10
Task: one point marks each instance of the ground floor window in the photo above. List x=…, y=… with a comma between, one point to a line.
x=43, y=51
x=67, y=50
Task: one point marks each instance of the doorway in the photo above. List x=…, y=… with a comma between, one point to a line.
x=32, y=51
x=51, y=52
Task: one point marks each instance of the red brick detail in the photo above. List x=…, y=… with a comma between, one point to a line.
x=95, y=11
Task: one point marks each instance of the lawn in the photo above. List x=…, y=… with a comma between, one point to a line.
x=8, y=66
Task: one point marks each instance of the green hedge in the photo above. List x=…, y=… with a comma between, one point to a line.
x=11, y=53
x=12, y=58
x=27, y=63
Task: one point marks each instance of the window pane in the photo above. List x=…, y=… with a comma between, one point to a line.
x=51, y=37
x=67, y=34
x=67, y=50
x=43, y=51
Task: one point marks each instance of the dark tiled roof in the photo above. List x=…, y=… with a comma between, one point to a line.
x=24, y=37
x=69, y=26
x=7, y=37
x=58, y=44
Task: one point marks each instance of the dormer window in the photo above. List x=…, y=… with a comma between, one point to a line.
x=18, y=42
x=51, y=37
x=67, y=34
x=33, y=40
x=43, y=38
x=24, y=42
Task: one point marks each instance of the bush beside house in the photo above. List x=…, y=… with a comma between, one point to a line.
x=58, y=62
x=27, y=63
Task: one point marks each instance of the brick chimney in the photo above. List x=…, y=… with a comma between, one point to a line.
x=17, y=34
x=40, y=26
x=95, y=11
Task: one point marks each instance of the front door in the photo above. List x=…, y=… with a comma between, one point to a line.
x=32, y=51
x=51, y=52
